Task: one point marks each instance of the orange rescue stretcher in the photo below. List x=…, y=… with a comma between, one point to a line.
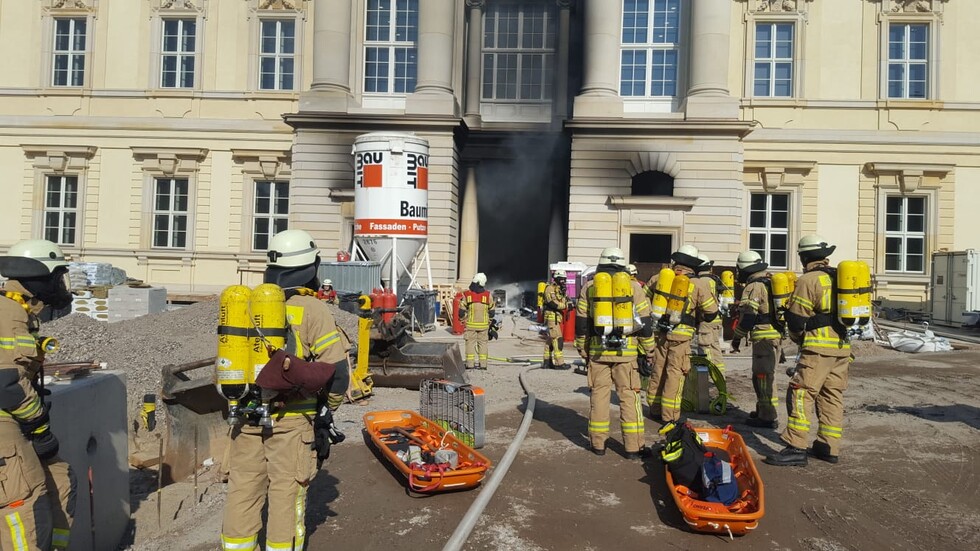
x=742, y=516
x=393, y=431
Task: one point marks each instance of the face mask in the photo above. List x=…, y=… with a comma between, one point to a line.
x=53, y=290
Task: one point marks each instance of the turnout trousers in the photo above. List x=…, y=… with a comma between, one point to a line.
x=765, y=355
x=274, y=464
x=667, y=383
x=821, y=381
x=25, y=508
x=625, y=377
x=476, y=347
x=554, y=348
x=709, y=339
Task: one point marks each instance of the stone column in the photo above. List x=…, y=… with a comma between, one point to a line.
x=469, y=232
x=709, y=39
x=436, y=45
x=474, y=58
x=560, y=101
x=330, y=89
x=599, y=95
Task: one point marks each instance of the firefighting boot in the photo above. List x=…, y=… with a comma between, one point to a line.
x=643, y=453
x=788, y=457
x=762, y=423
x=821, y=451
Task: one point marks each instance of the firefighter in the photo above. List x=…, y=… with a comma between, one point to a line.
x=277, y=463
x=709, y=332
x=757, y=322
x=611, y=357
x=821, y=371
x=38, y=500
x=555, y=306
x=670, y=361
x=478, y=310
x=632, y=271
x=327, y=292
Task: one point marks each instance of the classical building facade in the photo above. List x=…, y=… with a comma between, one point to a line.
x=172, y=137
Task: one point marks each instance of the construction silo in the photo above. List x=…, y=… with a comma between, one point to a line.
x=391, y=201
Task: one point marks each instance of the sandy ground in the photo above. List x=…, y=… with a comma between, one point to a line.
x=908, y=477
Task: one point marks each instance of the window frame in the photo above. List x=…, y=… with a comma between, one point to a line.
x=547, y=54
x=277, y=56
x=649, y=47
x=71, y=52
x=933, y=21
x=391, y=47
x=906, y=62
x=905, y=235
x=61, y=210
x=272, y=217
x=171, y=213
x=772, y=60
x=180, y=54
x=768, y=230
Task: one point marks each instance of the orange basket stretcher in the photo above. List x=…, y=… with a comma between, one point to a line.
x=392, y=430
x=742, y=516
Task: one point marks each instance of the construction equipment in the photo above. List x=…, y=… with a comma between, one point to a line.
x=455, y=407
x=361, y=383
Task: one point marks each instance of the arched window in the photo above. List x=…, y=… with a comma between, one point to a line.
x=653, y=182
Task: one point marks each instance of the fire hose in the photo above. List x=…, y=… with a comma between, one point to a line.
x=469, y=521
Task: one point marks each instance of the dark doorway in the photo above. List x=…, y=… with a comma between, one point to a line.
x=649, y=252
x=652, y=183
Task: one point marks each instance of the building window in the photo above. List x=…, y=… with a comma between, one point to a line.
x=652, y=183
x=391, y=57
x=61, y=209
x=277, y=52
x=170, y=204
x=769, y=227
x=69, y=52
x=905, y=234
x=178, y=53
x=651, y=42
x=773, y=60
x=518, y=52
x=271, y=213
x=908, y=60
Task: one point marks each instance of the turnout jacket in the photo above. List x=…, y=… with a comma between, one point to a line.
x=317, y=337
x=586, y=339
x=20, y=356
x=814, y=296
x=555, y=303
x=754, y=313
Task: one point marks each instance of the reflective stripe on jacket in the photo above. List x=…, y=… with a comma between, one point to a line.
x=755, y=302
x=478, y=306
x=814, y=294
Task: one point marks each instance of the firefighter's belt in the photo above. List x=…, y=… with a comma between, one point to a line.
x=818, y=321
x=285, y=372
x=688, y=319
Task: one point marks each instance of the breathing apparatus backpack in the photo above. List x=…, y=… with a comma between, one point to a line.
x=251, y=324
x=677, y=305
x=683, y=453
x=612, y=308
x=665, y=281
x=850, y=299
x=778, y=289
x=726, y=293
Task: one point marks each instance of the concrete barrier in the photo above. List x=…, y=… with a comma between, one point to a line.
x=88, y=415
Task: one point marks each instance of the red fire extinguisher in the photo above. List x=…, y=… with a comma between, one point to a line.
x=458, y=324
x=343, y=256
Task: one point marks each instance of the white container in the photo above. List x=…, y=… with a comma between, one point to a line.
x=391, y=200
x=954, y=288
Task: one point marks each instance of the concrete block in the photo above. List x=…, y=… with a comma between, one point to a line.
x=88, y=415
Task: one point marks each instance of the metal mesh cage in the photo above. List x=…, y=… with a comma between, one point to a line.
x=457, y=407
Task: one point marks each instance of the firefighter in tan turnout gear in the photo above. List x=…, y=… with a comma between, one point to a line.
x=612, y=319
x=276, y=463
x=690, y=299
x=756, y=319
x=825, y=353
x=37, y=489
x=709, y=332
x=555, y=304
x=478, y=311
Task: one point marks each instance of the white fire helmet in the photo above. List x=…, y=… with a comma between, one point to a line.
x=292, y=249
x=480, y=279
x=612, y=256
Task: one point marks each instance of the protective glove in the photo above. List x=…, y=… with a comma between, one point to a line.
x=45, y=445
x=646, y=367
x=736, y=345
x=325, y=434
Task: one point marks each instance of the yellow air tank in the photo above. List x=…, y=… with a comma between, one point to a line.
x=780, y=291
x=233, y=366
x=678, y=298
x=622, y=292
x=853, y=294
x=268, y=310
x=541, y=287
x=602, y=305
x=665, y=280
x=726, y=295
x=792, y=281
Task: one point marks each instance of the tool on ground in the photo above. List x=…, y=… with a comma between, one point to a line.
x=159, y=487
x=697, y=395
x=148, y=413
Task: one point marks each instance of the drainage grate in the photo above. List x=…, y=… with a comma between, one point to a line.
x=457, y=407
